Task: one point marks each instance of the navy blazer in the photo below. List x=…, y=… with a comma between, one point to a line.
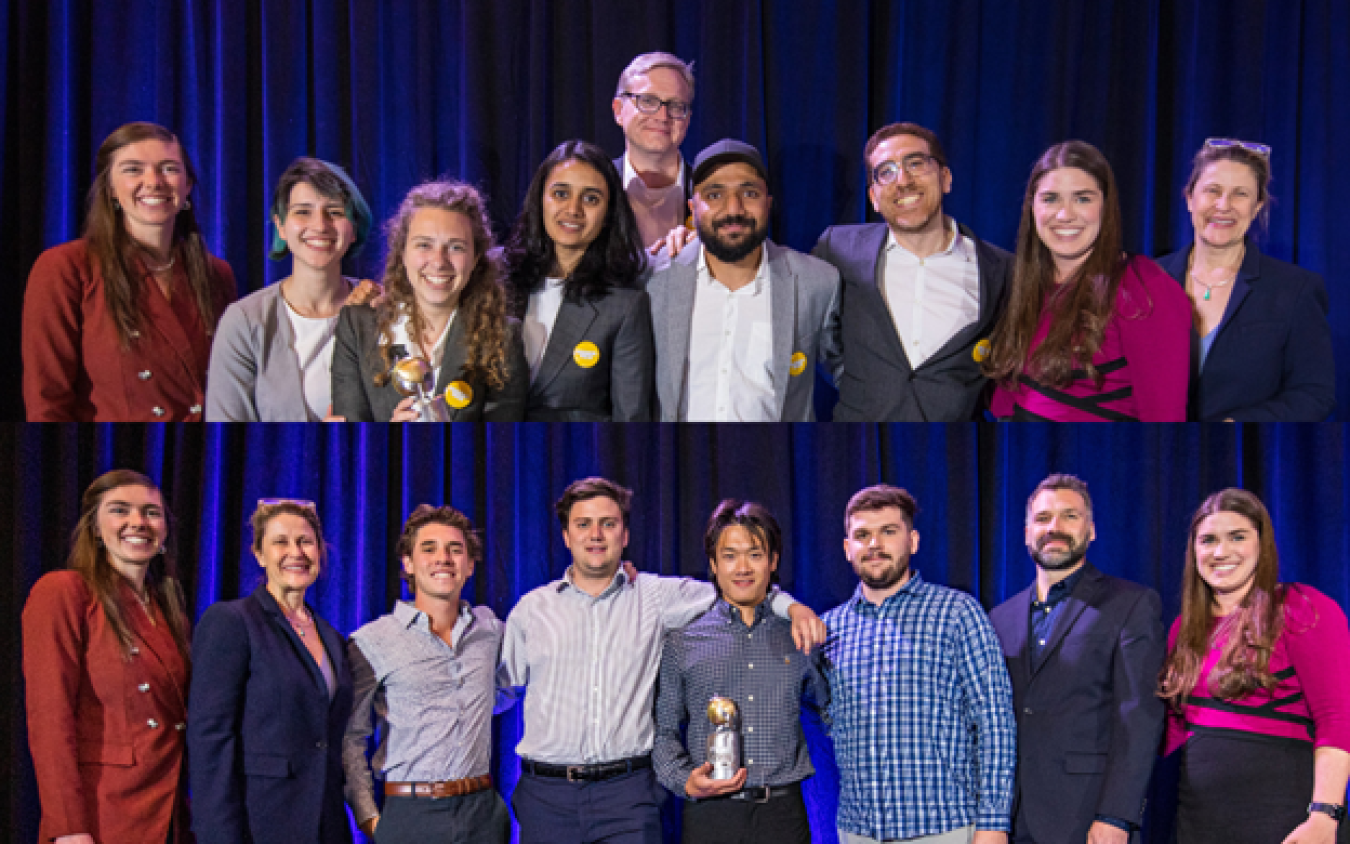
x=877, y=383
x=264, y=738
x=1272, y=358
x=1088, y=721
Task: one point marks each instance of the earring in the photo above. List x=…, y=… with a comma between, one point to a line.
x=117, y=206
x=187, y=205
x=161, y=549
x=98, y=540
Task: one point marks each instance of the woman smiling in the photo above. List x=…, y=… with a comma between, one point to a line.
x=1262, y=350
x=117, y=325
x=271, y=694
x=442, y=304
x=1090, y=333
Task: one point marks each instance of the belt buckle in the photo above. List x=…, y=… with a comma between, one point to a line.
x=575, y=773
x=765, y=791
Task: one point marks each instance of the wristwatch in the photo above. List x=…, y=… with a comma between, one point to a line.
x=1336, y=812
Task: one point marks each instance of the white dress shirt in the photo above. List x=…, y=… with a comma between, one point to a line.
x=728, y=376
x=540, y=316
x=930, y=299
x=314, y=354
x=399, y=334
x=658, y=210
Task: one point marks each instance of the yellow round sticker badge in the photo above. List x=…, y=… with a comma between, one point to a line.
x=981, y=350
x=586, y=354
x=798, y=364
x=459, y=395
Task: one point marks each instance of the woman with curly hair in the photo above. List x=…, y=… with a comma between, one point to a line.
x=442, y=304
x=117, y=325
x=1090, y=333
x=105, y=663
x=572, y=266
x=1258, y=689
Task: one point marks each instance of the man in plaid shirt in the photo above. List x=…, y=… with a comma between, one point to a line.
x=920, y=701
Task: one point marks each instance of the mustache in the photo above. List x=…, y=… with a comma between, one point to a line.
x=735, y=220
x=1056, y=537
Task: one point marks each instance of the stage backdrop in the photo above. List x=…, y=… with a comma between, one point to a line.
x=483, y=89
x=971, y=483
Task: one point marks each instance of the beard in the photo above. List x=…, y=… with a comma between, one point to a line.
x=731, y=252
x=885, y=578
x=1059, y=560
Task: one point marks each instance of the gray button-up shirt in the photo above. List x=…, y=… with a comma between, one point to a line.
x=758, y=668
x=590, y=662
x=435, y=700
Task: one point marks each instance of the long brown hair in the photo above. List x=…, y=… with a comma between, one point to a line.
x=1080, y=306
x=118, y=255
x=90, y=559
x=482, y=304
x=1251, y=631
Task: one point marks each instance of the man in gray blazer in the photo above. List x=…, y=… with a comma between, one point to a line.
x=740, y=322
x=920, y=293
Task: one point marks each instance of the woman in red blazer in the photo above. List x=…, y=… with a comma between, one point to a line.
x=105, y=661
x=117, y=325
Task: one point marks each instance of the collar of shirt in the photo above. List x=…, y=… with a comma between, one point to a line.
x=640, y=189
x=1058, y=592
x=398, y=333
x=956, y=248
x=733, y=613
x=754, y=288
x=407, y=614
x=911, y=588
x=565, y=583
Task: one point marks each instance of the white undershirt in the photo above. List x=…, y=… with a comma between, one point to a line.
x=399, y=334
x=931, y=299
x=658, y=210
x=540, y=317
x=729, y=373
x=313, y=349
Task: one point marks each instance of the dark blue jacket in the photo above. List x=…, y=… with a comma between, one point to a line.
x=264, y=739
x=1272, y=358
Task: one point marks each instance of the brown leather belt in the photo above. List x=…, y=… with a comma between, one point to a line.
x=435, y=790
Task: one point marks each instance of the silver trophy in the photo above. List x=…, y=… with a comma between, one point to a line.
x=724, y=741
x=412, y=376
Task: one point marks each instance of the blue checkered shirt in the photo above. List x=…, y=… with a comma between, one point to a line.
x=921, y=714
x=760, y=669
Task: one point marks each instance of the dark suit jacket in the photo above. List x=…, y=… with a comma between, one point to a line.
x=1088, y=722
x=878, y=384
x=618, y=387
x=1272, y=358
x=357, y=360
x=264, y=739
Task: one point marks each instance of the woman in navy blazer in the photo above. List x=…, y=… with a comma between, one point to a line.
x=270, y=698
x=1261, y=350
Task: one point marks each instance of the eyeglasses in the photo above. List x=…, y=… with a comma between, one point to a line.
x=295, y=502
x=651, y=104
x=1229, y=143
x=917, y=164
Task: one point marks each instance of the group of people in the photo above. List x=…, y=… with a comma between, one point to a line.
x=600, y=306
x=1037, y=723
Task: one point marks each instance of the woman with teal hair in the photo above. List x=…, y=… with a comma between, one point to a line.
x=272, y=356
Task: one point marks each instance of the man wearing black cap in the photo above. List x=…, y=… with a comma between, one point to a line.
x=740, y=322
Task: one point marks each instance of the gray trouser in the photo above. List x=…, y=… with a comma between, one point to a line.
x=956, y=836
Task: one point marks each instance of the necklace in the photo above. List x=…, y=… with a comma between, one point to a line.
x=1209, y=288
x=301, y=620
x=146, y=603
x=164, y=269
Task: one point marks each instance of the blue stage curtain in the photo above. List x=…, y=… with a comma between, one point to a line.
x=971, y=483
x=483, y=89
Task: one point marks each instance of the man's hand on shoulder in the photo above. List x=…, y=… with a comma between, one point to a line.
x=808, y=631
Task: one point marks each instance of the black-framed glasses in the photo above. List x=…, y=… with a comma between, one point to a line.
x=917, y=164
x=1229, y=143
x=651, y=104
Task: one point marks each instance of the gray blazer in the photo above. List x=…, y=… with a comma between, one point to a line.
x=357, y=360
x=254, y=375
x=878, y=384
x=804, y=298
x=619, y=387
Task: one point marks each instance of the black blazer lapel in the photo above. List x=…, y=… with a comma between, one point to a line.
x=1074, y=605
x=283, y=627
x=569, y=329
x=1019, y=637
x=870, y=273
x=453, y=357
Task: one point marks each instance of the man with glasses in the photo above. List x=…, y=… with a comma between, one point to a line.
x=739, y=321
x=652, y=104
x=920, y=292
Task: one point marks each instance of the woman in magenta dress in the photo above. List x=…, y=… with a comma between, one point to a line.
x=1257, y=680
x=1090, y=333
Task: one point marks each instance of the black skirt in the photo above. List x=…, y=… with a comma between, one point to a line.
x=1241, y=788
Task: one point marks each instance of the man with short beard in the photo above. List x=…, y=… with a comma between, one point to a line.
x=740, y=322
x=920, y=705
x=1083, y=650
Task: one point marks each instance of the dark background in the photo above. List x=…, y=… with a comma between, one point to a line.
x=971, y=483
x=403, y=90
